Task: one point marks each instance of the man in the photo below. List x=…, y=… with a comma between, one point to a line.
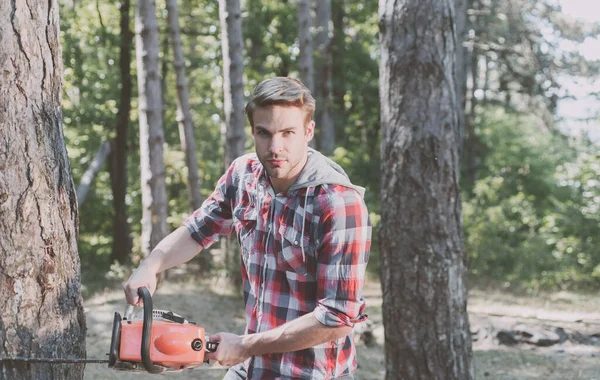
x=305, y=237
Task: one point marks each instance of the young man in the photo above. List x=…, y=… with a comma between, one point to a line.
x=305, y=236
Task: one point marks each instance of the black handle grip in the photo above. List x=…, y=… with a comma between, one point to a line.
x=147, y=331
x=211, y=346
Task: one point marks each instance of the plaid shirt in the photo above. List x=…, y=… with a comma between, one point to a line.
x=303, y=250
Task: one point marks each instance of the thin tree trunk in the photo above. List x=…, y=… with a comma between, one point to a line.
x=184, y=115
x=305, y=60
x=324, y=118
x=337, y=67
x=91, y=172
x=233, y=94
x=121, y=248
x=461, y=55
x=152, y=167
x=423, y=259
x=184, y=120
x=42, y=314
x=233, y=81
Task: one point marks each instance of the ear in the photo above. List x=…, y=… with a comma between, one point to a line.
x=310, y=131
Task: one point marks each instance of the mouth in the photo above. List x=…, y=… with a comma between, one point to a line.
x=277, y=162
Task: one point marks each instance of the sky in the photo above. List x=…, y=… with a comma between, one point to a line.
x=584, y=106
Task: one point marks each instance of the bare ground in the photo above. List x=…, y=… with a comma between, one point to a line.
x=212, y=306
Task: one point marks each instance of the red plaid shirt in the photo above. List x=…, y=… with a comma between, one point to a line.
x=302, y=250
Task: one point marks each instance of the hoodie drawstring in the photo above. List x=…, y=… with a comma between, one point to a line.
x=303, y=223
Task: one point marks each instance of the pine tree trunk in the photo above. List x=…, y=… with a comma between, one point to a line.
x=42, y=313
x=461, y=56
x=184, y=115
x=337, y=68
x=184, y=120
x=423, y=260
x=233, y=81
x=233, y=94
x=152, y=166
x=305, y=60
x=121, y=248
x=323, y=116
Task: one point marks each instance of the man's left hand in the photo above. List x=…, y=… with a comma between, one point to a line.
x=231, y=349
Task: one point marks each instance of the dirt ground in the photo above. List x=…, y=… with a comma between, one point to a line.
x=212, y=306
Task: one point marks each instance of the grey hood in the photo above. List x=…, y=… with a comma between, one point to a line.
x=320, y=170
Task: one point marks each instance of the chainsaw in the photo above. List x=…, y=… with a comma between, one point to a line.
x=156, y=341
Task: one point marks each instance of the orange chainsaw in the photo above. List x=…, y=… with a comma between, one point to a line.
x=157, y=341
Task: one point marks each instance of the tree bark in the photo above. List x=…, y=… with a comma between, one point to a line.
x=337, y=67
x=423, y=260
x=42, y=314
x=184, y=114
x=233, y=80
x=461, y=55
x=121, y=247
x=324, y=118
x=305, y=60
x=152, y=166
x=233, y=94
x=184, y=119
x=91, y=172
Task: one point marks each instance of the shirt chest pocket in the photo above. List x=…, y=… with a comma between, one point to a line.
x=245, y=220
x=296, y=250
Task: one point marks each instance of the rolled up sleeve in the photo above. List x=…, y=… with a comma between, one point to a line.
x=213, y=218
x=343, y=254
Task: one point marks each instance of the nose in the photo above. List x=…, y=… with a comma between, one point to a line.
x=276, y=145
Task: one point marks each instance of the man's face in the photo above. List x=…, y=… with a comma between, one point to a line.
x=281, y=141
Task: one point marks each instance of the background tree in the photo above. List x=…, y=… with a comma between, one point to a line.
x=323, y=116
x=184, y=115
x=423, y=268
x=305, y=58
x=42, y=313
x=233, y=104
x=154, y=195
x=121, y=247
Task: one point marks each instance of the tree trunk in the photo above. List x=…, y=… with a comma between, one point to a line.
x=184, y=120
x=422, y=255
x=337, y=67
x=324, y=118
x=42, y=313
x=91, y=172
x=233, y=94
x=184, y=115
x=233, y=81
x=121, y=248
x=152, y=166
x=305, y=60
x=461, y=55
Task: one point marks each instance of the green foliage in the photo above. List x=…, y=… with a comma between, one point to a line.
x=533, y=216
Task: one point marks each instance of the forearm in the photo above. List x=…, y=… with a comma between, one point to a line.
x=301, y=333
x=177, y=248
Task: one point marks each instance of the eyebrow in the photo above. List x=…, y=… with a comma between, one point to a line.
x=259, y=128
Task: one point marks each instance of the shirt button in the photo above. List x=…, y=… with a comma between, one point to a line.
x=296, y=242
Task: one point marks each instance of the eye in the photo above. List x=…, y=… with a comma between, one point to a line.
x=288, y=133
x=262, y=132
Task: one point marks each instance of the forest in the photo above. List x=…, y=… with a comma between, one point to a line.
x=530, y=191
x=472, y=124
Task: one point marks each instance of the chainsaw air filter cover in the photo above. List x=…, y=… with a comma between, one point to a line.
x=173, y=342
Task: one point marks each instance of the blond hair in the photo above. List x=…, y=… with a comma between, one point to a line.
x=281, y=91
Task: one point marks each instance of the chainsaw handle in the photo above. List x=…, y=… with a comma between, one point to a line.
x=147, y=331
x=211, y=346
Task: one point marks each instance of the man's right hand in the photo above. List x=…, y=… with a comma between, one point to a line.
x=142, y=277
